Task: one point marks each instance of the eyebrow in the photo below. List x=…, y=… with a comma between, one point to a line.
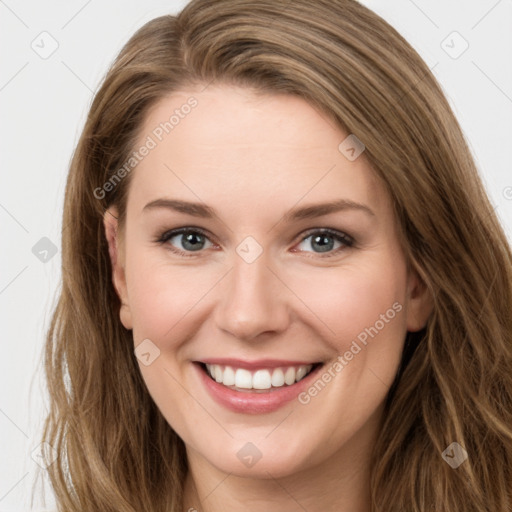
x=306, y=212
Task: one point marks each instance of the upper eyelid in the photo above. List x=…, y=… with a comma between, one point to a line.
x=180, y=231
x=302, y=236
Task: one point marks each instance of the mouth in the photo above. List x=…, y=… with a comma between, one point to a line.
x=262, y=380
x=257, y=387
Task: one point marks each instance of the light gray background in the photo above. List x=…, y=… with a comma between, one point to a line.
x=44, y=102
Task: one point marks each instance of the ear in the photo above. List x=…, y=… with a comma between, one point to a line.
x=419, y=302
x=117, y=259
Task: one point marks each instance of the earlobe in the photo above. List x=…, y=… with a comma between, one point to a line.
x=115, y=250
x=420, y=303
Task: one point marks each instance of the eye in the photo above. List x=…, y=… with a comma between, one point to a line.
x=326, y=240
x=190, y=239
x=186, y=241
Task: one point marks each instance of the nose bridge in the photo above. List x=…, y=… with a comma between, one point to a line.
x=253, y=299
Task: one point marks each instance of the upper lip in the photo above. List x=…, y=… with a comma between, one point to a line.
x=255, y=364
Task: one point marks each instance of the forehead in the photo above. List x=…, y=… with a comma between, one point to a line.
x=227, y=142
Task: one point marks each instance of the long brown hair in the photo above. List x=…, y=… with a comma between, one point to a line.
x=115, y=450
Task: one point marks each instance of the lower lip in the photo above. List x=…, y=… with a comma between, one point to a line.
x=254, y=403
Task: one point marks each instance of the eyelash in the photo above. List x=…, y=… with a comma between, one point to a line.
x=345, y=239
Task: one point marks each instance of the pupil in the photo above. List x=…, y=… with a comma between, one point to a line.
x=325, y=242
x=191, y=240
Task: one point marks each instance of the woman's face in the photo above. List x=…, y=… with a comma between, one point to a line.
x=257, y=245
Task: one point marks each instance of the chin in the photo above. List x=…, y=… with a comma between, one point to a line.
x=264, y=458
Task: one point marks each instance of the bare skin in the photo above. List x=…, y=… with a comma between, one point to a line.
x=253, y=160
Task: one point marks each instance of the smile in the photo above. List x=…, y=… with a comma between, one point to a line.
x=256, y=387
x=244, y=379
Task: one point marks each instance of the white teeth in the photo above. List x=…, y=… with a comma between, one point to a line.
x=277, y=378
x=243, y=379
x=300, y=373
x=229, y=376
x=289, y=376
x=260, y=379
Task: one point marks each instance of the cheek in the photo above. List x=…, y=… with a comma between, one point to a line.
x=162, y=295
x=349, y=303
x=343, y=302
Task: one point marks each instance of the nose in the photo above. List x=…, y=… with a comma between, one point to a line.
x=253, y=300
